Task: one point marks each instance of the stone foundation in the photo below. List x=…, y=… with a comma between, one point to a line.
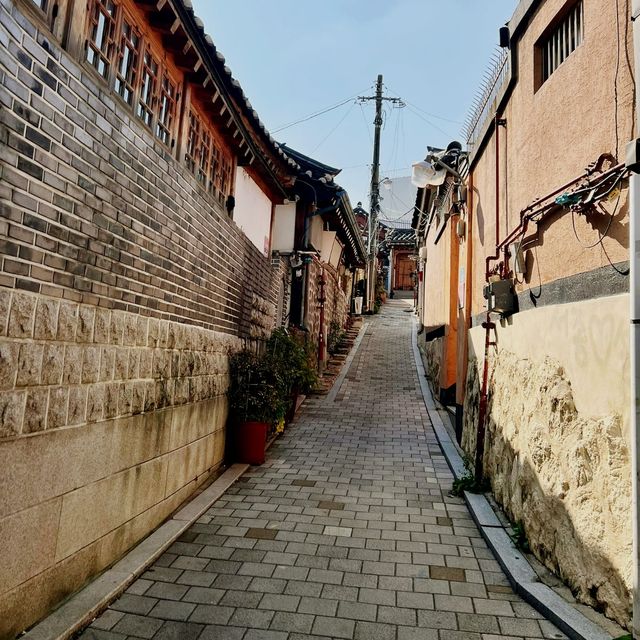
x=564, y=475
x=109, y=421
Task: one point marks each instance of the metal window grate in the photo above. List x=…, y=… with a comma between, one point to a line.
x=564, y=39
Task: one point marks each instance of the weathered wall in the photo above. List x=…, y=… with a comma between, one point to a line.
x=579, y=112
x=336, y=306
x=123, y=287
x=557, y=441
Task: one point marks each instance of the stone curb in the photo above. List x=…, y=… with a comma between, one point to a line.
x=337, y=383
x=87, y=603
x=521, y=576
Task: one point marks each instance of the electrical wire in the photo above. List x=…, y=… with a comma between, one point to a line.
x=366, y=124
x=344, y=117
x=429, y=122
x=315, y=114
x=432, y=115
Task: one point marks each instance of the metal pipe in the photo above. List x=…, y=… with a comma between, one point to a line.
x=634, y=303
x=488, y=325
x=489, y=259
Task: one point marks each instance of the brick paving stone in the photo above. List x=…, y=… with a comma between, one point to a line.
x=179, y=631
x=347, y=531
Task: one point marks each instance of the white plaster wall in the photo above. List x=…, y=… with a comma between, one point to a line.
x=252, y=212
x=284, y=227
x=591, y=341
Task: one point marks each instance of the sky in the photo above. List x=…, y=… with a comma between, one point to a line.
x=294, y=58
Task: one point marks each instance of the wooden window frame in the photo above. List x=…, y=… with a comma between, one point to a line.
x=206, y=157
x=148, y=109
x=51, y=17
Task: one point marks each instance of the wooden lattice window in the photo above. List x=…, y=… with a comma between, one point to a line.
x=148, y=98
x=128, y=59
x=206, y=158
x=191, y=155
x=168, y=109
x=102, y=28
x=123, y=53
x=41, y=4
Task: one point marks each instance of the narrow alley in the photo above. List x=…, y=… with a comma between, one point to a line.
x=347, y=531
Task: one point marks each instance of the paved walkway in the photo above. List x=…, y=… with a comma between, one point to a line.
x=347, y=531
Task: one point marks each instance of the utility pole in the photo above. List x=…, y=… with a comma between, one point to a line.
x=374, y=204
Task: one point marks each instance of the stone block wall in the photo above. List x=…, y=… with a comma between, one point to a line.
x=557, y=447
x=124, y=286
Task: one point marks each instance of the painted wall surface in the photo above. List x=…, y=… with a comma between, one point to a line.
x=252, y=212
x=579, y=112
x=557, y=441
x=284, y=226
x=558, y=415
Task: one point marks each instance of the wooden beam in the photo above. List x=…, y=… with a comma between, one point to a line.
x=197, y=65
x=175, y=26
x=187, y=47
x=160, y=5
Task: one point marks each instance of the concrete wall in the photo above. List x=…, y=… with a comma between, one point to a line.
x=557, y=448
x=123, y=287
x=252, y=212
x=558, y=435
x=578, y=109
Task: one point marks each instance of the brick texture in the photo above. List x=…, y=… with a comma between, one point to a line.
x=94, y=210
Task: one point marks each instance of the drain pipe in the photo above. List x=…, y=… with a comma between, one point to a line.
x=488, y=324
x=634, y=294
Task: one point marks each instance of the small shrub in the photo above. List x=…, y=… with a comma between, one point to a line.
x=335, y=337
x=468, y=481
x=519, y=538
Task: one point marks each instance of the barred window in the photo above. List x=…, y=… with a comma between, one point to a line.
x=565, y=38
x=127, y=68
x=102, y=23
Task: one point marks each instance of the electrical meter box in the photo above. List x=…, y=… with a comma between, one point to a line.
x=501, y=297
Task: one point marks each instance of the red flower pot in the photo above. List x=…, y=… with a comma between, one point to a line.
x=251, y=440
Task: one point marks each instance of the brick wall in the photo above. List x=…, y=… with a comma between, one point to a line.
x=336, y=306
x=123, y=288
x=95, y=210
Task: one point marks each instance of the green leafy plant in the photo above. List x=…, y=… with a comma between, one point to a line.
x=293, y=357
x=335, y=337
x=256, y=389
x=628, y=636
x=468, y=481
x=518, y=537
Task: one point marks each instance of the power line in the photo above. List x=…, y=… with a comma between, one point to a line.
x=344, y=117
x=315, y=114
x=427, y=113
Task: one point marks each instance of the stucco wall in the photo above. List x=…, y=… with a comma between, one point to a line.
x=557, y=447
x=578, y=107
x=252, y=212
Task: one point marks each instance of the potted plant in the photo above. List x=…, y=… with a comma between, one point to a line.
x=294, y=359
x=256, y=403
